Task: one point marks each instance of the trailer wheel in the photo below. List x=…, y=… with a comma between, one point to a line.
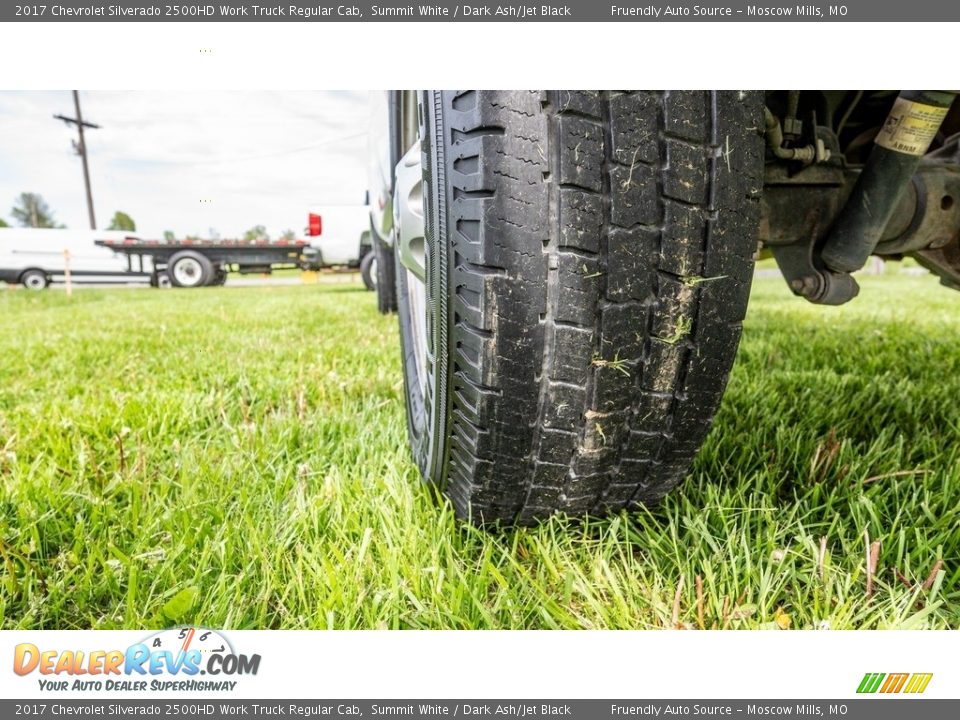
x=34, y=279
x=160, y=279
x=572, y=272
x=368, y=270
x=189, y=269
x=220, y=277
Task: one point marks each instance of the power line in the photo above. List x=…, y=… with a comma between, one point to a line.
x=248, y=158
x=80, y=147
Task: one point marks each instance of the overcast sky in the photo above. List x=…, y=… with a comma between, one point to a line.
x=254, y=158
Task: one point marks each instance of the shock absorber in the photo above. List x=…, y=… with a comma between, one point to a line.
x=910, y=127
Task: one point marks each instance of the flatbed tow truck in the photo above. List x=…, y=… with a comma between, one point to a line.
x=199, y=263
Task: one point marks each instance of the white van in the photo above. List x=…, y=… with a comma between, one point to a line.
x=35, y=258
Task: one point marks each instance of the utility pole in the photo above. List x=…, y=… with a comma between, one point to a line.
x=80, y=146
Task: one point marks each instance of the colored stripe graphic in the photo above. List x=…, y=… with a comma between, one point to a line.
x=918, y=682
x=894, y=683
x=870, y=682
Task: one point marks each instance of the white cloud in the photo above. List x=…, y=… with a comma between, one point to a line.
x=256, y=157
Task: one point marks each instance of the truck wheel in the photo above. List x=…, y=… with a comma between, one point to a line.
x=386, y=277
x=368, y=270
x=160, y=279
x=34, y=279
x=190, y=269
x=570, y=301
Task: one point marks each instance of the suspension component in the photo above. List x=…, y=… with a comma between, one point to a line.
x=816, y=152
x=911, y=126
x=798, y=210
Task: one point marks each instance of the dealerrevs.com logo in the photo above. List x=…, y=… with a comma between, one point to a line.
x=170, y=660
x=890, y=683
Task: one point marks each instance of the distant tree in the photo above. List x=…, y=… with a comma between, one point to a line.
x=30, y=210
x=168, y=236
x=288, y=235
x=3, y=223
x=258, y=233
x=122, y=221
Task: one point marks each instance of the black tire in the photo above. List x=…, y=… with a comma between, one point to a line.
x=34, y=279
x=589, y=263
x=368, y=269
x=386, y=277
x=219, y=277
x=201, y=270
x=160, y=279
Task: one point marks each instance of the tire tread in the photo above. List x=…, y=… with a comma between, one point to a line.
x=601, y=250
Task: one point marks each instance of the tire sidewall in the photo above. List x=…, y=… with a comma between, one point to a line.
x=427, y=411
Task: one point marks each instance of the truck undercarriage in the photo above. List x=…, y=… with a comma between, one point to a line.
x=854, y=174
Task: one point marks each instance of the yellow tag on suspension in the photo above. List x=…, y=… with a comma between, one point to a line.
x=910, y=127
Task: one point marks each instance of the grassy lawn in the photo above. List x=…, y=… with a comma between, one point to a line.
x=237, y=458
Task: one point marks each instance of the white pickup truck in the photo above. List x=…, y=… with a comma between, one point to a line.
x=341, y=236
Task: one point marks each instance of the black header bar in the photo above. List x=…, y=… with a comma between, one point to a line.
x=508, y=11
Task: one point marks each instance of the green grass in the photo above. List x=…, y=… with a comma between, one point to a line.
x=237, y=458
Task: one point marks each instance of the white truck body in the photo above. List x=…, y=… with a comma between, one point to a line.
x=379, y=167
x=23, y=249
x=343, y=230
